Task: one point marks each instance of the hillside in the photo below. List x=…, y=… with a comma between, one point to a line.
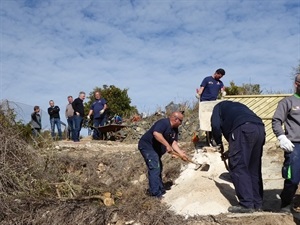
x=104, y=182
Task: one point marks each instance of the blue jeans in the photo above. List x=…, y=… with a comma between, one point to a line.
x=53, y=122
x=98, y=122
x=77, y=123
x=70, y=127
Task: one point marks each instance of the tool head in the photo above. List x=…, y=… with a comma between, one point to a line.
x=202, y=167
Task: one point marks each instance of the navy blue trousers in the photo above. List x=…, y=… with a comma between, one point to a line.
x=155, y=167
x=291, y=174
x=245, y=152
x=98, y=122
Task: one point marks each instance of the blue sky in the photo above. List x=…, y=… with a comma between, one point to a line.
x=160, y=50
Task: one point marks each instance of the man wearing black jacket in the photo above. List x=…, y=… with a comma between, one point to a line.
x=53, y=112
x=245, y=134
x=78, y=116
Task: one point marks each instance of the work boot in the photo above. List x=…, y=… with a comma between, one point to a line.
x=240, y=209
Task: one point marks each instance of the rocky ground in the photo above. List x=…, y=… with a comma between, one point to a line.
x=105, y=182
x=199, y=197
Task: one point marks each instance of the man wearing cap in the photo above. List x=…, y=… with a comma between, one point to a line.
x=209, y=90
x=288, y=114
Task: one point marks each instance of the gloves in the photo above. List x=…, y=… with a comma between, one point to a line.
x=224, y=93
x=101, y=111
x=285, y=143
x=88, y=117
x=197, y=96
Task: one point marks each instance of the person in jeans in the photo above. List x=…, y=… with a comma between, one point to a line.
x=99, y=115
x=288, y=114
x=53, y=112
x=69, y=116
x=36, y=122
x=78, y=107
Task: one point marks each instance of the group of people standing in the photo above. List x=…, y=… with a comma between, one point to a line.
x=74, y=114
x=245, y=133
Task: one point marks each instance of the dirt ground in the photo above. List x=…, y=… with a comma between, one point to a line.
x=105, y=182
x=195, y=197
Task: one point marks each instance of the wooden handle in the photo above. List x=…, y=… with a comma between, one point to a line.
x=187, y=159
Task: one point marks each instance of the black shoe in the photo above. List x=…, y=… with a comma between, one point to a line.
x=240, y=209
x=286, y=209
x=167, y=185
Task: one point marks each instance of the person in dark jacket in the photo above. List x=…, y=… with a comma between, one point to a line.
x=36, y=122
x=245, y=134
x=53, y=112
x=162, y=137
x=78, y=108
x=288, y=113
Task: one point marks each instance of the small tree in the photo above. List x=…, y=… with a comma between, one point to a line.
x=118, y=101
x=245, y=89
x=232, y=90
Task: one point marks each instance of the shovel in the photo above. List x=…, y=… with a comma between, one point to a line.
x=202, y=167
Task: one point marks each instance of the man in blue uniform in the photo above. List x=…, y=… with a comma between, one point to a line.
x=288, y=113
x=245, y=134
x=162, y=137
x=98, y=110
x=209, y=90
x=211, y=86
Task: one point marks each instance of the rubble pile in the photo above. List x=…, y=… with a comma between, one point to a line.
x=134, y=130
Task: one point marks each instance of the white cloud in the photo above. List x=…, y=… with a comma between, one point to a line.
x=160, y=50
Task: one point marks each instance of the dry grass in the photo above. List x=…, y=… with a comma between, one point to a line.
x=42, y=185
x=47, y=186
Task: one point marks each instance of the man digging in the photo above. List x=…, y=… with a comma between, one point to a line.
x=162, y=137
